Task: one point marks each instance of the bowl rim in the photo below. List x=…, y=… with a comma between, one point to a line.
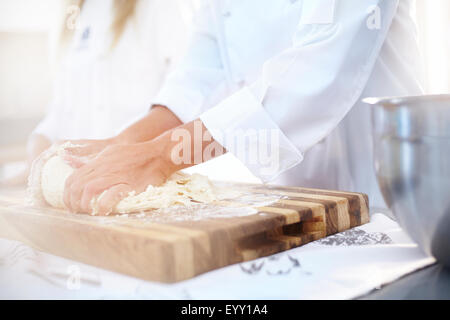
x=405, y=100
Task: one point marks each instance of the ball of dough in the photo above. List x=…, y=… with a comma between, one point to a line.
x=53, y=178
x=179, y=189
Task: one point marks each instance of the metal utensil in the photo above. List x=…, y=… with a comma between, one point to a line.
x=412, y=162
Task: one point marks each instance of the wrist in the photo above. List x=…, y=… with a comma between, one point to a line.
x=156, y=153
x=166, y=148
x=121, y=138
x=158, y=120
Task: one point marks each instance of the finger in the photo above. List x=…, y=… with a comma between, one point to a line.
x=67, y=188
x=81, y=151
x=74, y=162
x=76, y=192
x=73, y=187
x=92, y=190
x=80, y=142
x=109, y=200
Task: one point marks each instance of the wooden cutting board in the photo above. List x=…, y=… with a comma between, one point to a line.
x=173, y=250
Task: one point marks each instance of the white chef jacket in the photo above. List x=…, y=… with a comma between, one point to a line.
x=298, y=68
x=98, y=91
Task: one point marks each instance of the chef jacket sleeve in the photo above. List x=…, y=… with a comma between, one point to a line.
x=197, y=76
x=306, y=90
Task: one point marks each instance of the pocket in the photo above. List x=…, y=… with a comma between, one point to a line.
x=318, y=12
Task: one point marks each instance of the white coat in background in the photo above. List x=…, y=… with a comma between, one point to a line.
x=98, y=91
x=299, y=68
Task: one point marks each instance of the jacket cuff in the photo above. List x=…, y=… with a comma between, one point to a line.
x=185, y=104
x=243, y=127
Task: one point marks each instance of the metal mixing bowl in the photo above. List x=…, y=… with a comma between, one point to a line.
x=412, y=162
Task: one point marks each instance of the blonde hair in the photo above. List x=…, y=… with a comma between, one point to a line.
x=123, y=11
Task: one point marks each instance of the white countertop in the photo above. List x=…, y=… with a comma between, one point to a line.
x=343, y=266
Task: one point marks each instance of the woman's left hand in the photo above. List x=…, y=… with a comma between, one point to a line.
x=85, y=150
x=118, y=170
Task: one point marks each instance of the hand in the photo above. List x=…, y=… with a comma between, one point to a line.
x=123, y=168
x=119, y=169
x=86, y=150
x=156, y=122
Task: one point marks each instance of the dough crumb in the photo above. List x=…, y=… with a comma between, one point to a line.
x=179, y=190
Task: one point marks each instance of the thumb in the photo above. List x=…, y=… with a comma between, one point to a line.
x=108, y=201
